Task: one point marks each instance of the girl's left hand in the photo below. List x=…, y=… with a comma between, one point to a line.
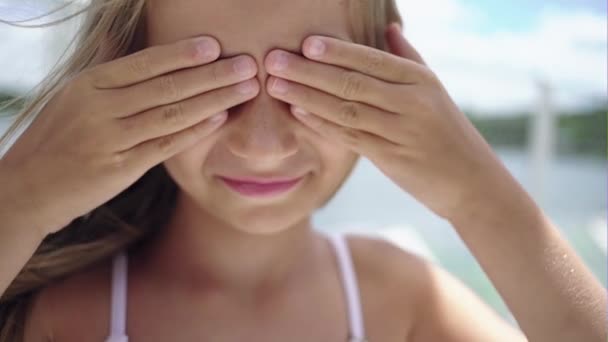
x=392, y=109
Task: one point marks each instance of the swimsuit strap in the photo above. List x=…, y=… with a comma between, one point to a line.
x=351, y=289
x=119, y=299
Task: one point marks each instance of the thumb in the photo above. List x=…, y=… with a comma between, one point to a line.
x=400, y=46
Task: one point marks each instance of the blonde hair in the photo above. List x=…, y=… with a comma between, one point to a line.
x=111, y=29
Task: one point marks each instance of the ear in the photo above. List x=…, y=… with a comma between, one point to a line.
x=400, y=46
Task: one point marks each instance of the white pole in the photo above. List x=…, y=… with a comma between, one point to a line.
x=541, y=141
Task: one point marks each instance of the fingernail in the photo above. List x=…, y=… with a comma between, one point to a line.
x=280, y=61
x=279, y=86
x=299, y=111
x=245, y=87
x=219, y=117
x=206, y=48
x=243, y=66
x=316, y=47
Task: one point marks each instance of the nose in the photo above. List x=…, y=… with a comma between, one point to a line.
x=262, y=130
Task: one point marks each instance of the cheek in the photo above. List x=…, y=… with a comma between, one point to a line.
x=338, y=163
x=186, y=167
x=337, y=159
x=178, y=169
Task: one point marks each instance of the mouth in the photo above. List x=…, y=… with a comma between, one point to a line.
x=260, y=186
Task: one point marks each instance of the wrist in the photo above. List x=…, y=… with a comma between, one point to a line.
x=497, y=200
x=21, y=205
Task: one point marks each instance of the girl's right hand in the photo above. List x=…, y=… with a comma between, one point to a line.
x=109, y=125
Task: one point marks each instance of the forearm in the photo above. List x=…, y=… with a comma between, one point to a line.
x=547, y=287
x=19, y=236
x=18, y=242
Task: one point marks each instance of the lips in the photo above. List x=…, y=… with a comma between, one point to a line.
x=261, y=186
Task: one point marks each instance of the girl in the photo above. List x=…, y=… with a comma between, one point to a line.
x=165, y=189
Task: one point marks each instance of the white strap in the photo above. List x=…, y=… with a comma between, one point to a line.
x=349, y=279
x=119, y=299
x=117, y=339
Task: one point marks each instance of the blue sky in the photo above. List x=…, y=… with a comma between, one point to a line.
x=522, y=15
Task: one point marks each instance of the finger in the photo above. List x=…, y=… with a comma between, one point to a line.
x=172, y=118
x=155, y=151
x=348, y=114
x=365, y=59
x=400, y=46
x=347, y=84
x=181, y=85
x=363, y=143
x=154, y=61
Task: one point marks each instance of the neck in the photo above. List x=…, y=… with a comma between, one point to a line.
x=197, y=249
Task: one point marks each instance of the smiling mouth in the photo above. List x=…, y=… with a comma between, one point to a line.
x=261, y=187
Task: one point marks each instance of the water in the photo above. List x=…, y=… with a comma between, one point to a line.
x=575, y=200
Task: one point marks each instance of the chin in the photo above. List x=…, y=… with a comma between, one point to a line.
x=268, y=220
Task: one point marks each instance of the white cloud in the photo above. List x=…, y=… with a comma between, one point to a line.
x=488, y=72
x=497, y=71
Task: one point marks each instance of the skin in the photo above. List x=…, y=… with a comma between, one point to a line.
x=234, y=269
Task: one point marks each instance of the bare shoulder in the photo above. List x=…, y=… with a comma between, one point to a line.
x=434, y=305
x=71, y=308
x=390, y=281
x=381, y=261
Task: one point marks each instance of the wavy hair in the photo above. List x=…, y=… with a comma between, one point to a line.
x=111, y=29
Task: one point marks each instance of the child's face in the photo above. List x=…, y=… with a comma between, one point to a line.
x=261, y=136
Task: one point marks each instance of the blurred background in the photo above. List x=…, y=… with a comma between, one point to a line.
x=531, y=76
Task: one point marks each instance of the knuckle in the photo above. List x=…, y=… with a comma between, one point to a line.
x=173, y=115
x=322, y=127
x=140, y=63
x=168, y=88
x=166, y=144
x=429, y=74
x=351, y=84
x=69, y=88
x=404, y=75
x=82, y=79
x=81, y=97
x=199, y=128
x=216, y=72
x=373, y=60
x=421, y=102
x=204, y=129
x=351, y=136
x=128, y=125
x=307, y=95
x=82, y=82
x=117, y=161
x=349, y=113
x=89, y=77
